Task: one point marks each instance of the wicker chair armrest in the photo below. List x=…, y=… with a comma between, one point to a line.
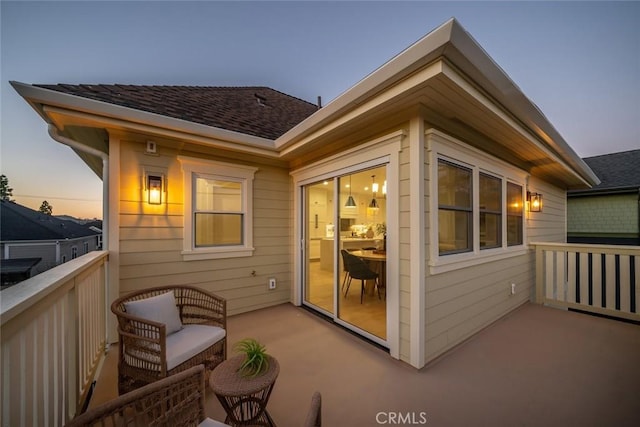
x=199, y=306
x=133, y=325
x=175, y=400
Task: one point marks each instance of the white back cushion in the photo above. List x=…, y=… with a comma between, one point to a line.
x=160, y=308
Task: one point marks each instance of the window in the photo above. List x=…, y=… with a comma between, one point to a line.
x=476, y=205
x=74, y=252
x=490, y=212
x=86, y=247
x=454, y=208
x=514, y=214
x=218, y=209
x=219, y=216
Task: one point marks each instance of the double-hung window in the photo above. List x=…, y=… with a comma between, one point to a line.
x=490, y=211
x=218, y=212
x=514, y=214
x=218, y=209
x=454, y=208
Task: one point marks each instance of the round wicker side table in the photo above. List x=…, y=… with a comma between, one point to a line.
x=244, y=399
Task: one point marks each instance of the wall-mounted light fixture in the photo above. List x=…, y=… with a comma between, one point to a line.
x=351, y=203
x=155, y=187
x=534, y=202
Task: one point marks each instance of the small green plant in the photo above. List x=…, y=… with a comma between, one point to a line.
x=256, y=361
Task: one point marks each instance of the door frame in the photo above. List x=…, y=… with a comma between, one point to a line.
x=381, y=151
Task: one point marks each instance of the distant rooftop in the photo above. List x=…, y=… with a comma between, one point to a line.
x=617, y=172
x=21, y=223
x=258, y=111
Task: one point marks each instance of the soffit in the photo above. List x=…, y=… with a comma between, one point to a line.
x=446, y=100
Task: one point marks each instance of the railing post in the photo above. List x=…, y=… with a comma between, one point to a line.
x=539, y=275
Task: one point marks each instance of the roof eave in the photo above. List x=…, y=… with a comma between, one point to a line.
x=39, y=98
x=453, y=42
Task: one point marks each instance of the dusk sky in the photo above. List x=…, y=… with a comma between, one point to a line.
x=579, y=62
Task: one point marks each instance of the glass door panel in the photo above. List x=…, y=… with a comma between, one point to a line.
x=361, y=232
x=319, y=246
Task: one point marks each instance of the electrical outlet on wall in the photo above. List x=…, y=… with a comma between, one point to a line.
x=272, y=283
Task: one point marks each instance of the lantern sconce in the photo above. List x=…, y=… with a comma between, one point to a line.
x=155, y=188
x=534, y=202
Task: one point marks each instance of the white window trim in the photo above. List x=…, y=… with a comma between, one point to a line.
x=445, y=147
x=223, y=171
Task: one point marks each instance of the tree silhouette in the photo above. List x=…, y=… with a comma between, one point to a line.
x=46, y=208
x=5, y=191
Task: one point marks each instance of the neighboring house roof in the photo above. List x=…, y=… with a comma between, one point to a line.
x=21, y=223
x=18, y=265
x=618, y=172
x=257, y=111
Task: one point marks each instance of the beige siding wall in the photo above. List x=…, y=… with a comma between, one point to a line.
x=462, y=302
x=151, y=238
x=550, y=225
x=405, y=251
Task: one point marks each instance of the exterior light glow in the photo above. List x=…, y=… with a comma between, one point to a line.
x=154, y=189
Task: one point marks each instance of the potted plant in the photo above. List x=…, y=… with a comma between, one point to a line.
x=256, y=359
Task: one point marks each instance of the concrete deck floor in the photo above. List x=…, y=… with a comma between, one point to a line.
x=538, y=366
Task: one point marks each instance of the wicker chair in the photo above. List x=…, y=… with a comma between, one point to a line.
x=147, y=350
x=314, y=416
x=177, y=400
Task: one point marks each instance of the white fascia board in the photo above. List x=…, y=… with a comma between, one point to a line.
x=39, y=97
x=467, y=55
x=160, y=131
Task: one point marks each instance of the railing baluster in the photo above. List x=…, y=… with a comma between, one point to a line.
x=52, y=337
x=572, y=277
x=597, y=278
x=625, y=284
x=549, y=274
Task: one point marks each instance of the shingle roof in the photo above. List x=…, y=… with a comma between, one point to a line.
x=257, y=111
x=18, y=222
x=617, y=171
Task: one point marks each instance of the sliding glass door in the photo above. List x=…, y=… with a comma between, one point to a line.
x=345, y=250
x=318, y=231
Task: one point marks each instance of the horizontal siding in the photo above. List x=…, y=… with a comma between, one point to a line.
x=151, y=238
x=550, y=224
x=461, y=302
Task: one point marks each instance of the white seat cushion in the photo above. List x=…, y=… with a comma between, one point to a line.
x=160, y=308
x=208, y=422
x=191, y=340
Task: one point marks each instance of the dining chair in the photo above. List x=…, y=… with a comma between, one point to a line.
x=359, y=270
x=345, y=266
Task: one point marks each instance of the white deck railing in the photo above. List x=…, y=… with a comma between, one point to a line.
x=53, y=339
x=600, y=279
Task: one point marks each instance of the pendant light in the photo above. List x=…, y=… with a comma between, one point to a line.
x=374, y=187
x=351, y=203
